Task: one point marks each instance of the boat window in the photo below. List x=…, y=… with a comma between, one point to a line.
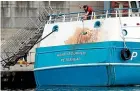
x=134, y=5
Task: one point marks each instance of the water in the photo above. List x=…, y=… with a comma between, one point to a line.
x=70, y=88
x=88, y=88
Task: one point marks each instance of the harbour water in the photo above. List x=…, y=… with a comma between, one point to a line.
x=89, y=88
x=70, y=88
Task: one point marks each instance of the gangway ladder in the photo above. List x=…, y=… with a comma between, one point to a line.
x=30, y=39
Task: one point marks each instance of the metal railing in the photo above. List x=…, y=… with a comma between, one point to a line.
x=99, y=14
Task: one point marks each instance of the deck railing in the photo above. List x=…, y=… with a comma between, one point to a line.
x=99, y=14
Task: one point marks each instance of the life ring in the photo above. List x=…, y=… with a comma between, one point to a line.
x=125, y=54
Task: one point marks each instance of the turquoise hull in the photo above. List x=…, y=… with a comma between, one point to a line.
x=92, y=64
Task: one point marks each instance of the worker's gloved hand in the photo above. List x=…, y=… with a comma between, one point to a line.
x=85, y=17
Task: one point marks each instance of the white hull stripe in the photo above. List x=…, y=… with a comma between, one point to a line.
x=89, y=64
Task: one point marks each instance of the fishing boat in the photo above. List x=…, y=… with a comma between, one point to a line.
x=101, y=51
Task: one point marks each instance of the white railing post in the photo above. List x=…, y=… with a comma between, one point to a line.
x=54, y=19
x=120, y=12
x=91, y=15
x=106, y=13
x=78, y=17
x=94, y=15
x=129, y=12
x=116, y=13
x=50, y=18
x=70, y=19
x=63, y=18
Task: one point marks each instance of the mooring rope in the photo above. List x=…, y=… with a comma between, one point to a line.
x=81, y=33
x=124, y=43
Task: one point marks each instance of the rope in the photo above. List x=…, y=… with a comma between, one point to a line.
x=79, y=41
x=95, y=33
x=124, y=43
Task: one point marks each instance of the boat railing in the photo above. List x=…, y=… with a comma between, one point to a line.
x=99, y=14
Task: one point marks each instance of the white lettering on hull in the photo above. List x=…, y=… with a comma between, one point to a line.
x=134, y=54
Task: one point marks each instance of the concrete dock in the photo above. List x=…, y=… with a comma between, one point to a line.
x=18, y=77
x=18, y=67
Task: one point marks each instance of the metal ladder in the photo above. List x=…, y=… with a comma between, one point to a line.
x=24, y=40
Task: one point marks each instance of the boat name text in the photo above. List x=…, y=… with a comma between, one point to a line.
x=70, y=59
x=71, y=53
x=134, y=54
